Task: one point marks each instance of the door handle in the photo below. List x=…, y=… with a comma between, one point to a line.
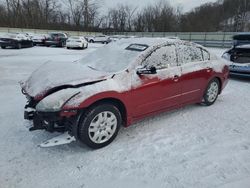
x=209, y=69
x=176, y=78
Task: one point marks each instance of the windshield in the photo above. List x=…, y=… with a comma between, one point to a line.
x=113, y=57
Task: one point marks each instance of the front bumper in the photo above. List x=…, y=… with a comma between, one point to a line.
x=50, y=121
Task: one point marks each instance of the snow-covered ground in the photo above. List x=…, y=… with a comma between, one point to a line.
x=195, y=146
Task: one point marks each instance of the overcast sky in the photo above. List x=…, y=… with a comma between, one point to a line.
x=185, y=4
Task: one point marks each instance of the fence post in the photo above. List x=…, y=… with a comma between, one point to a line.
x=190, y=36
x=224, y=37
x=205, y=39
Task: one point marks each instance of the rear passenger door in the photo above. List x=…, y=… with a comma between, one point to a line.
x=196, y=70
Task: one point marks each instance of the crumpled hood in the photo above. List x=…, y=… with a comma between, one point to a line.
x=55, y=74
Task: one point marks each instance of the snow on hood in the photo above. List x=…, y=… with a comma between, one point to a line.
x=55, y=74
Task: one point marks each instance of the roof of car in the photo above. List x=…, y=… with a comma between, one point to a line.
x=149, y=41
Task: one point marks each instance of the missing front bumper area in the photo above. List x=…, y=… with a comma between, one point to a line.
x=49, y=121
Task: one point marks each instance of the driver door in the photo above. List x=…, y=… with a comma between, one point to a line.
x=155, y=92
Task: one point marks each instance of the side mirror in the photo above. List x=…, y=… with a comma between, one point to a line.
x=146, y=70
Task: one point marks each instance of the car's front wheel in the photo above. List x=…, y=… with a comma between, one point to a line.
x=212, y=92
x=99, y=125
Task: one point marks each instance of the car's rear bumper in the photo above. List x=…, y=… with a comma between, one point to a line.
x=240, y=71
x=56, y=43
x=239, y=74
x=75, y=45
x=38, y=42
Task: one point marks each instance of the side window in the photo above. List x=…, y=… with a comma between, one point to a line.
x=206, y=55
x=162, y=58
x=189, y=54
x=61, y=35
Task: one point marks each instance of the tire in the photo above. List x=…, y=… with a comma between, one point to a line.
x=87, y=46
x=212, y=92
x=60, y=44
x=18, y=46
x=3, y=47
x=94, y=128
x=31, y=44
x=68, y=48
x=92, y=41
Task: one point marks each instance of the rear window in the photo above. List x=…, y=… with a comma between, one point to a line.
x=242, y=37
x=189, y=54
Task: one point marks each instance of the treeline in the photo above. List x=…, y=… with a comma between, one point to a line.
x=223, y=15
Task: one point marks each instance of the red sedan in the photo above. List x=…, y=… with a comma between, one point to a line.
x=120, y=84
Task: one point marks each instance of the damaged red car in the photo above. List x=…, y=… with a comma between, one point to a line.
x=119, y=84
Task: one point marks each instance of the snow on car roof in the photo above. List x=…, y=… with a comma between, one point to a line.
x=146, y=41
x=116, y=57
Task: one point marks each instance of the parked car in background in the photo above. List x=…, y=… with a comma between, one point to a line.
x=241, y=39
x=56, y=39
x=39, y=39
x=120, y=84
x=239, y=55
x=15, y=40
x=76, y=42
x=99, y=38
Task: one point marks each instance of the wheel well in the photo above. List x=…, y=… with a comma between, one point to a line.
x=119, y=104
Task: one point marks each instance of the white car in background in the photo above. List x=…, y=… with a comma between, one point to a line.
x=39, y=39
x=76, y=42
x=99, y=38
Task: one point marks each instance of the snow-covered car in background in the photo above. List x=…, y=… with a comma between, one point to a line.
x=15, y=40
x=99, y=39
x=239, y=55
x=76, y=42
x=39, y=39
x=120, y=84
x=56, y=39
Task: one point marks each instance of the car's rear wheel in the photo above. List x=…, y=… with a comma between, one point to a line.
x=91, y=41
x=99, y=125
x=212, y=92
x=3, y=47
